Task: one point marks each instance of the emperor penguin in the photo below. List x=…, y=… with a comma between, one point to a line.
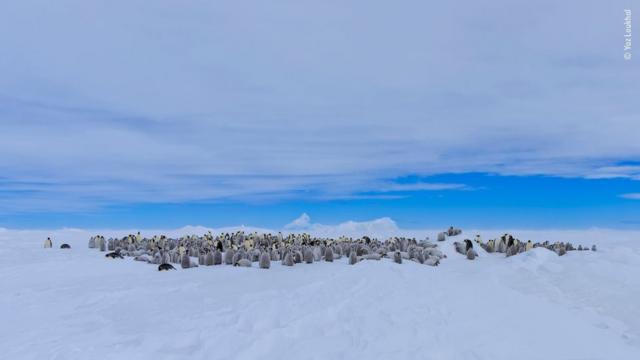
x=467, y=245
x=353, y=258
x=308, y=256
x=528, y=246
x=229, y=256
x=65, y=246
x=397, y=257
x=490, y=246
x=275, y=255
x=265, y=260
x=442, y=236
x=217, y=257
x=186, y=261
x=92, y=242
x=593, y=248
x=208, y=259
x=432, y=261
x=114, y=255
x=165, y=267
x=48, y=244
x=328, y=254
x=243, y=263
x=288, y=259
x=471, y=254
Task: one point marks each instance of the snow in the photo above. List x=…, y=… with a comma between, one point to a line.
x=76, y=304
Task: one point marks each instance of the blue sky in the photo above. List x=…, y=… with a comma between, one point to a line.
x=146, y=114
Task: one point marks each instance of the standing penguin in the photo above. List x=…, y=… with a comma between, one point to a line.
x=217, y=257
x=228, y=257
x=186, y=261
x=265, y=260
x=328, y=254
x=48, y=244
x=397, y=257
x=288, y=259
x=208, y=259
x=442, y=236
x=353, y=258
x=308, y=256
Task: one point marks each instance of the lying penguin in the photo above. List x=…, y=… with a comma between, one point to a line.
x=243, y=263
x=165, y=267
x=65, y=246
x=114, y=255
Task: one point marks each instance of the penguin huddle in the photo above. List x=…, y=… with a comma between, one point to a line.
x=242, y=250
x=510, y=246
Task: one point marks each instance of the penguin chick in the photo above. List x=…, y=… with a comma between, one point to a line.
x=288, y=259
x=217, y=257
x=471, y=254
x=432, y=261
x=229, y=257
x=397, y=257
x=185, y=262
x=308, y=256
x=353, y=258
x=208, y=259
x=328, y=254
x=593, y=248
x=265, y=260
x=243, y=263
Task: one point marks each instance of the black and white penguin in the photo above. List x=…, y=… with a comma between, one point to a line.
x=397, y=257
x=467, y=245
x=165, y=267
x=114, y=255
x=48, y=244
x=265, y=260
x=593, y=248
x=528, y=246
x=65, y=246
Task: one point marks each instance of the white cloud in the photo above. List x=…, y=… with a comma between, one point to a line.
x=633, y=196
x=136, y=101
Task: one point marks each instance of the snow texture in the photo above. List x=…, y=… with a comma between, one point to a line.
x=77, y=304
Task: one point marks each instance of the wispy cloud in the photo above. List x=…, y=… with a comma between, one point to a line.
x=297, y=100
x=632, y=196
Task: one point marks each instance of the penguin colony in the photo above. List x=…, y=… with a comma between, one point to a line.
x=238, y=249
x=511, y=246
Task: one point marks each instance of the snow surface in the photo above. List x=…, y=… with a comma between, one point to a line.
x=76, y=304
